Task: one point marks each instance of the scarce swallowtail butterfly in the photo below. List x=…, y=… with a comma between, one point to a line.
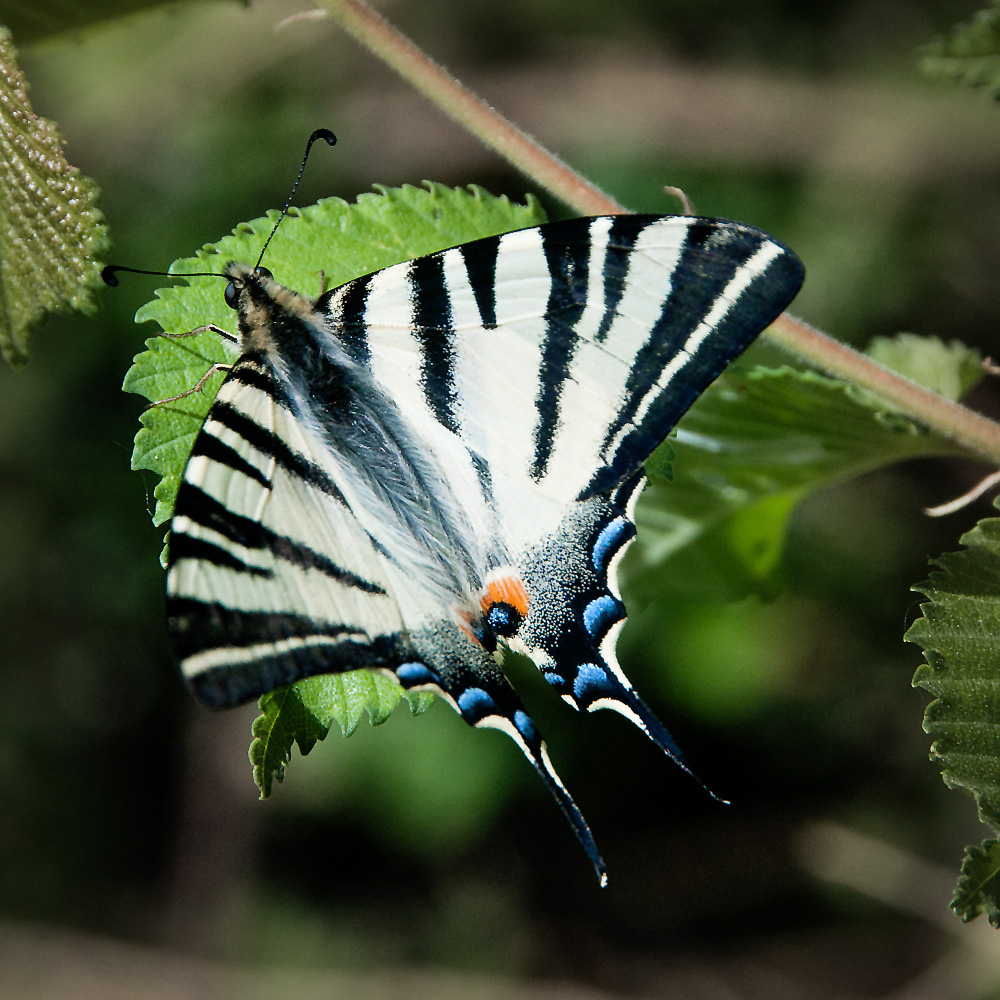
x=442, y=458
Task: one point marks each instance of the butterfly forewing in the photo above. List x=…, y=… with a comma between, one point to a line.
x=564, y=354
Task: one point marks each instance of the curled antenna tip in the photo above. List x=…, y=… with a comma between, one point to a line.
x=320, y=133
x=110, y=277
x=325, y=134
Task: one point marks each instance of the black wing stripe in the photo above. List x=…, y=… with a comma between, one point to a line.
x=731, y=335
x=250, y=371
x=352, y=324
x=567, y=258
x=435, y=333
x=258, y=651
x=483, y=475
x=614, y=274
x=210, y=447
x=247, y=532
x=236, y=629
x=269, y=444
x=480, y=259
x=684, y=307
x=183, y=546
x=707, y=271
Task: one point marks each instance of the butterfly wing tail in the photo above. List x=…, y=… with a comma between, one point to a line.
x=484, y=698
x=573, y=627
x=522, y=730
x=598, y=685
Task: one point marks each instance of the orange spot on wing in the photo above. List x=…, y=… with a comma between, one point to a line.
x=505, y=590
x=464, y=620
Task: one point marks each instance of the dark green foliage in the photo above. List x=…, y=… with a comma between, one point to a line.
x=978, y=889
x=960, y=635
x=969, y=53
x=52, y=236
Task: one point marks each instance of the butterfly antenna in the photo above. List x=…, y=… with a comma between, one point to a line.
x=320, y=133
x=110, y=277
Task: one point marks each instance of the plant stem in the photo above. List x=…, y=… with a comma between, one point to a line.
x=971, y=430
x=476, y=115
x=967, y=428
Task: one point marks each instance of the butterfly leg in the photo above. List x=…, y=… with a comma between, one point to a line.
x=197, y=387
x=206, y=328
x=483, y=697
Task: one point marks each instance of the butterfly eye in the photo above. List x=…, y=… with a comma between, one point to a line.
x=263, y=272
x=232, y=295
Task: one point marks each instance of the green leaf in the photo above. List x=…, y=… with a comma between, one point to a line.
x=978, y=889
x=52, y=237
x=969, y=54
x=749, y=450
x=32, y=20
x=320, y=247
x=949, y=369
x=959, y=632
x=305, y=712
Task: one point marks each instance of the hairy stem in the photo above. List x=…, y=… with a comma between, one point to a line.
x=472, y=112
x=967, y=428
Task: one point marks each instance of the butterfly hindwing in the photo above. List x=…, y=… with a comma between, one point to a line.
x=472, y=682
x=578, y=612
x=444, y=456
x=271, y=578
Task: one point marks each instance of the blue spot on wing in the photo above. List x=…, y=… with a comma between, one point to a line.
x=414, y=674
x=592, y=682
x=501, y=619
x=611, y=538
x=475, y=703
x=525, y=726
x=600, y=614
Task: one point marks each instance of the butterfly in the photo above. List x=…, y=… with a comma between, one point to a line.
x=441, y=459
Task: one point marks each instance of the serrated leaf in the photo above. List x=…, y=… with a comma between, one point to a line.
x=52, y=237
x=305, y=712
x=748, y=451
x=978, y=889
x=320, y=247
x=959, y=632
x=969, y=54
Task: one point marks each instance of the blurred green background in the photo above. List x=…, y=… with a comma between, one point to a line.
x=424, y=857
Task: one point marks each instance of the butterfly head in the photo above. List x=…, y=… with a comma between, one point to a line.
x=241, y=278
x=262, y=304
x=251, y=293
